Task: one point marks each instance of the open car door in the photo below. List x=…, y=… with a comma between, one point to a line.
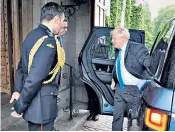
x=96, y=61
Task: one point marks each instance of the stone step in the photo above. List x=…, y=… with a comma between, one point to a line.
x=62, y=122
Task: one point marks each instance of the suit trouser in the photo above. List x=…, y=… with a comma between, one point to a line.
x=128, y=98
x=41, y=127
x=93, y=102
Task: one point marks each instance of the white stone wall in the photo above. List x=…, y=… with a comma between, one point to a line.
x=83, y=19
x=74, y=39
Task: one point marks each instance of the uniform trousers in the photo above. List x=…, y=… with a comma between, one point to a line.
x=41, y=127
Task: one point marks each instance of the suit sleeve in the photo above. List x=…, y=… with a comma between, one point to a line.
x=114, y=75
x=39, y=70
x=19, y=78
x=143, y=57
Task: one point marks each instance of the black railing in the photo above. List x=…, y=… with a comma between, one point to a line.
x=71, y=88
x=73, y=75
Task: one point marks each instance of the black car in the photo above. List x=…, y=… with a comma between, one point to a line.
x=96, y=62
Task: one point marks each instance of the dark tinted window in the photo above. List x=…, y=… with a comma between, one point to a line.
x=160, y=48
x=103, y=48
x=103, y=54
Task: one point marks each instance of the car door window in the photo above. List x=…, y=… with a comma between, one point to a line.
x=159, y=50
x=103, y=51
x=103, y=48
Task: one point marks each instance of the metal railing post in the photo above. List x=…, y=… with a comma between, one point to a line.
x=71, y=86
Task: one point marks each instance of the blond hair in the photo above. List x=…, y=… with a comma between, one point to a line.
x=121, y=32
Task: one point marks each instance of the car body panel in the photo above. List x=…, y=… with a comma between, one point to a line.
x=107, y=108
x=154, y=96
x=173, y=107
x=172, y=123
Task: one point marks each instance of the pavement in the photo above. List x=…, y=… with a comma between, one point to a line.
x=103, y=124
x=62, y=123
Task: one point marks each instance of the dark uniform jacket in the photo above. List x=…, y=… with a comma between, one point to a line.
x=38, y=102
x=137, y=59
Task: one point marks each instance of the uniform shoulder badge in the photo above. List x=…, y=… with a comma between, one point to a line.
x=50, y=46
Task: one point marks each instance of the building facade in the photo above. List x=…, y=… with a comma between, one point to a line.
x=19, y=17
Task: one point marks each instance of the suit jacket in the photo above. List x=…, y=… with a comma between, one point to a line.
x=136, y=59
x=38, y=102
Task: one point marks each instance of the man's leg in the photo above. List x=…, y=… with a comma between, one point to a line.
x=118, y=113
x=41, y=127
x=132, y=97
x=92, y=105
x=33, y=126
x=95, y=111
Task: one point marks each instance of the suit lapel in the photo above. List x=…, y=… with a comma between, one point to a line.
x=127, y=50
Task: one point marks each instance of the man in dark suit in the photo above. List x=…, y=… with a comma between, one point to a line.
x=35, y=86
x=129, y=74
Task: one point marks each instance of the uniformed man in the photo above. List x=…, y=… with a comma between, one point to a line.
x=59, y=37
x=37, y=74
x=62, y=31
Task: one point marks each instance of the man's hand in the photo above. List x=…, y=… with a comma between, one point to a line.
x=15, y=95
x=14, y=114
x=113, y=84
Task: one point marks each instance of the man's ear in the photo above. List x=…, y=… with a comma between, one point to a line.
x=55, y=19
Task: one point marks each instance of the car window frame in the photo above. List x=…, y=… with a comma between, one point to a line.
x=158, y=38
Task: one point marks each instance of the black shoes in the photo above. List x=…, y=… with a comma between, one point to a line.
x=93, y=117
x=89, y=117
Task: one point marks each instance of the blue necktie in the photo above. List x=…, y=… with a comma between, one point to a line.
x=118, y=70
x=61, y=41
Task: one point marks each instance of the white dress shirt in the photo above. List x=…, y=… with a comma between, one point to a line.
x=127, y=78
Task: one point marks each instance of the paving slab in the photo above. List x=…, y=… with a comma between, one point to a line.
x=103, y=124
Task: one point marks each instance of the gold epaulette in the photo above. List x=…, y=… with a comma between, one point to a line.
x=60, y=56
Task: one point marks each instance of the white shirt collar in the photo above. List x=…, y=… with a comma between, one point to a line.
x=124, y=47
